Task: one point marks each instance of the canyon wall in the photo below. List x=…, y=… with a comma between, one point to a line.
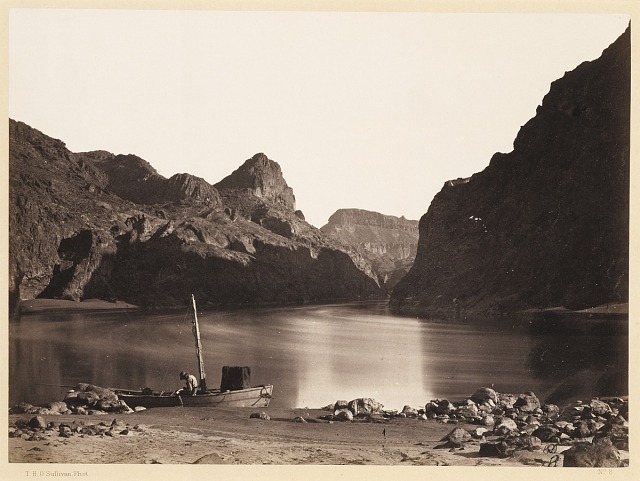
x=546, y=225
x=100, y=225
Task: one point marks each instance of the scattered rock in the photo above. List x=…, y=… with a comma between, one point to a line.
x=111, y=406
x=36, y=436
x=505, y=401
x=545, y=433
x=551, y=410
x=504, y=425
x=468, y=411
x=478, y=433
x=530, y=443
x=488, y=420
x=410, y=412
x=600, y=453
x=598, y=407
x=484, y=394
x=37, y=422
x=439, y=408
x=365, y=405
x=616, y=429
x=340, y=404
x=344, y=415
x=527, y=402
x=498, y=449
x=261, y=415
x=583, y=429
x=58, y=407
x=21, y=408
x=457, y=435
x=213, y=458
x=64, y=430
x=82, y=398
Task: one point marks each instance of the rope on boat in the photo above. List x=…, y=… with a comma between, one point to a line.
x=174, y=357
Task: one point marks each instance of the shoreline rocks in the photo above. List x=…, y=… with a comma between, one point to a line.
x=84, y=399
x=584, y=433
x=594, y=431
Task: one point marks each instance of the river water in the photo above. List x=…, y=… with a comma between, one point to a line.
x=315, y=355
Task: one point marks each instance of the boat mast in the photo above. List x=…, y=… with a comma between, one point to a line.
x=196, y=334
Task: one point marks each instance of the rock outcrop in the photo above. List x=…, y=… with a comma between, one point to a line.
x=388, y=242
x=99, y=225
x=263, y=178
x=546, y=225
x=134, y=179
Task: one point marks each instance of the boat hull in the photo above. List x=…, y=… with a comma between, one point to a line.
x=259, y=396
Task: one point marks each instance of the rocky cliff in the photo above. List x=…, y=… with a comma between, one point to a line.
x=546, y=225
x=388, y=242
x=99, y=225
x=134, y=179
x=262, y=178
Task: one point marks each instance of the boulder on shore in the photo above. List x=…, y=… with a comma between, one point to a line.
x=365, y=405
x=527, y=402
x=504, y=425
x=484, y=394
x=600, y=453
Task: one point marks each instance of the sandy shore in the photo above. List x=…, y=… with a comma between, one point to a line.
x=29, y=306
x=225, y=436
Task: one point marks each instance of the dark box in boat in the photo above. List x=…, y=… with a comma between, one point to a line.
x=235, y=378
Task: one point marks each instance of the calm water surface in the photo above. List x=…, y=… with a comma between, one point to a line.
x=315, y=355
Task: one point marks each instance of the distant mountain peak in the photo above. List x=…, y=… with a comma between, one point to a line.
x=263, y=178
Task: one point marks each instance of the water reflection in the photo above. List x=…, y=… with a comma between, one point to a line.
x=580, y=357
x=314, y=355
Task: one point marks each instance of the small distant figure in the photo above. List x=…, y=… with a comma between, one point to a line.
x=191, y=386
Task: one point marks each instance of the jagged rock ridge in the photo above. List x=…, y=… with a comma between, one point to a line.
x=388, y=242
x=546, y=225
x=99, y=225
x=263, y=178
x=134, y=179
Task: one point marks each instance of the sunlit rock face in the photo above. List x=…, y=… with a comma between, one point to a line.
x=387, y=241
x=263, y=178
x=545, y=225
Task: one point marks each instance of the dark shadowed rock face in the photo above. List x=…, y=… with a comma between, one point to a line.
x=263, y=178
x=134, y=179
x=187, y=186
x=388, y=242
x=546, y=225
x=98, y=225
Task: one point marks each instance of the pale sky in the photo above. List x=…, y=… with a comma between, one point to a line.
x=361, y=110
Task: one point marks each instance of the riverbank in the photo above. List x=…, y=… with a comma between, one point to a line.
x=605, y=311
x=191, y=436
x=171, y=436
x=618, y=311
x=33, y=306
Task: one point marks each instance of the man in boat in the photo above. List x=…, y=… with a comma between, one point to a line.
x=191, y=386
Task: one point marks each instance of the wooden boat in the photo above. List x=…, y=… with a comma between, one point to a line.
x=258, y=396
